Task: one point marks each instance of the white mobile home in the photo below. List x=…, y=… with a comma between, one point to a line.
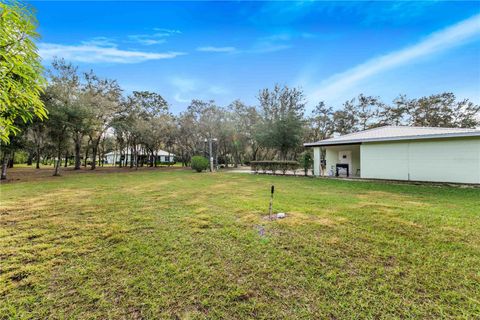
x=162, y=156
x=402, y=153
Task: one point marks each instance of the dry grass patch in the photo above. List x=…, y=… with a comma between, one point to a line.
x=172, y=245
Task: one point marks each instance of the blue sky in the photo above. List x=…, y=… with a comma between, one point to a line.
x=229, y=50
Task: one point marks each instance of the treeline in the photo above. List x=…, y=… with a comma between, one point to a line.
x=89, y=116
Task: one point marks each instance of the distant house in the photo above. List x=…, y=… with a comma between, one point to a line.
x=161, y=156
x=402, y=153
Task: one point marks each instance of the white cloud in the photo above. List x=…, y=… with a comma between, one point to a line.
x=169, y=31
x=267, y=47
x=216, y=49
x=218, y=90
x=184, y=84
x=100, y=41
x=188, y=88
x=272, y=43
x=181, y=99
x=436, y=42
x=158, y=37
x=145, y=40
x=266, y=44
x=90, y=53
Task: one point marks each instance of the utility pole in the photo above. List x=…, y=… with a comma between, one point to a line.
x=210, y=154
x=205, y=148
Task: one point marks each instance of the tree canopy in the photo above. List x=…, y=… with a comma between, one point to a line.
x=21, y=80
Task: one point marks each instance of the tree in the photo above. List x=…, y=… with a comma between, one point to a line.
x=80, y=122
x=443, y=110
x=37, y=136
x=120, y=125
x=21, y=80
x=306, y=161
x=151, y=119
x=186, y=136
x=103, y=97
x=17, y=143
x=344, y=120
x=394, y=114
x=67, y=87
x=357, y=114
x=321, y=125
x=281, y=126
x=244, y=120
x=366, y=111
x=57, y=124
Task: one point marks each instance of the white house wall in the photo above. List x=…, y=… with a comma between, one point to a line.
x=446, y=160
x=384, y=161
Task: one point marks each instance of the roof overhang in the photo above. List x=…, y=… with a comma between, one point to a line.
x=334, y=142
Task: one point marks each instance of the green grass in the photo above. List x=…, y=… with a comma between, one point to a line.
x=181, y=245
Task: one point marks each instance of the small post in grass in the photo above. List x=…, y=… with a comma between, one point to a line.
x=272, y=190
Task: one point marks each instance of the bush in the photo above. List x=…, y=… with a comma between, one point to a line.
x=166, y=163
x=20, y=157
x=274, y=166
x=306, y=161
x=199, y=163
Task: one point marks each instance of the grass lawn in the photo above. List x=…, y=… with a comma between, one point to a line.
x=181, y=245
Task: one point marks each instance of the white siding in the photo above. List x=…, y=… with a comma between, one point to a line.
x=384, y=161
x=452, y=160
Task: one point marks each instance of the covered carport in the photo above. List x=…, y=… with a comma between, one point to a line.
x=402, y=153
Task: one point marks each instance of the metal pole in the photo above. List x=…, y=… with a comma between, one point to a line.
x=216, y=157
x=210, y=154
x=270, y=208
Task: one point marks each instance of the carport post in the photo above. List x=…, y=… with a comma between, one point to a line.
x=316, y=162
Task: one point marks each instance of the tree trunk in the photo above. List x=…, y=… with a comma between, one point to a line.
x=4, y=167
x=254, y=153
x=94, y=153
x=38, y=158
x=30, y=159
x=86, y=156
x=57, y=164
x=66, y=159
x=131, y=157
x=236, y=159
x=136, y=158
x=10, y=161
x=78, y=161
x=94, y=158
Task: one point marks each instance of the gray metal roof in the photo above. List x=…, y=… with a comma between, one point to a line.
x=395, y=133
x=128, y=150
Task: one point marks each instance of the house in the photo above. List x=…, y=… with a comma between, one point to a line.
x=402, y=153
x=162, y=156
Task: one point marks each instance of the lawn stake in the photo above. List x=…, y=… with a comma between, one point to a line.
x=271, y=202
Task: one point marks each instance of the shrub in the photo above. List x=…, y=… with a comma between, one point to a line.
x=306, y=161
x=274, y=166
x=20, y=157
x=166, y=163
x=199, y=163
